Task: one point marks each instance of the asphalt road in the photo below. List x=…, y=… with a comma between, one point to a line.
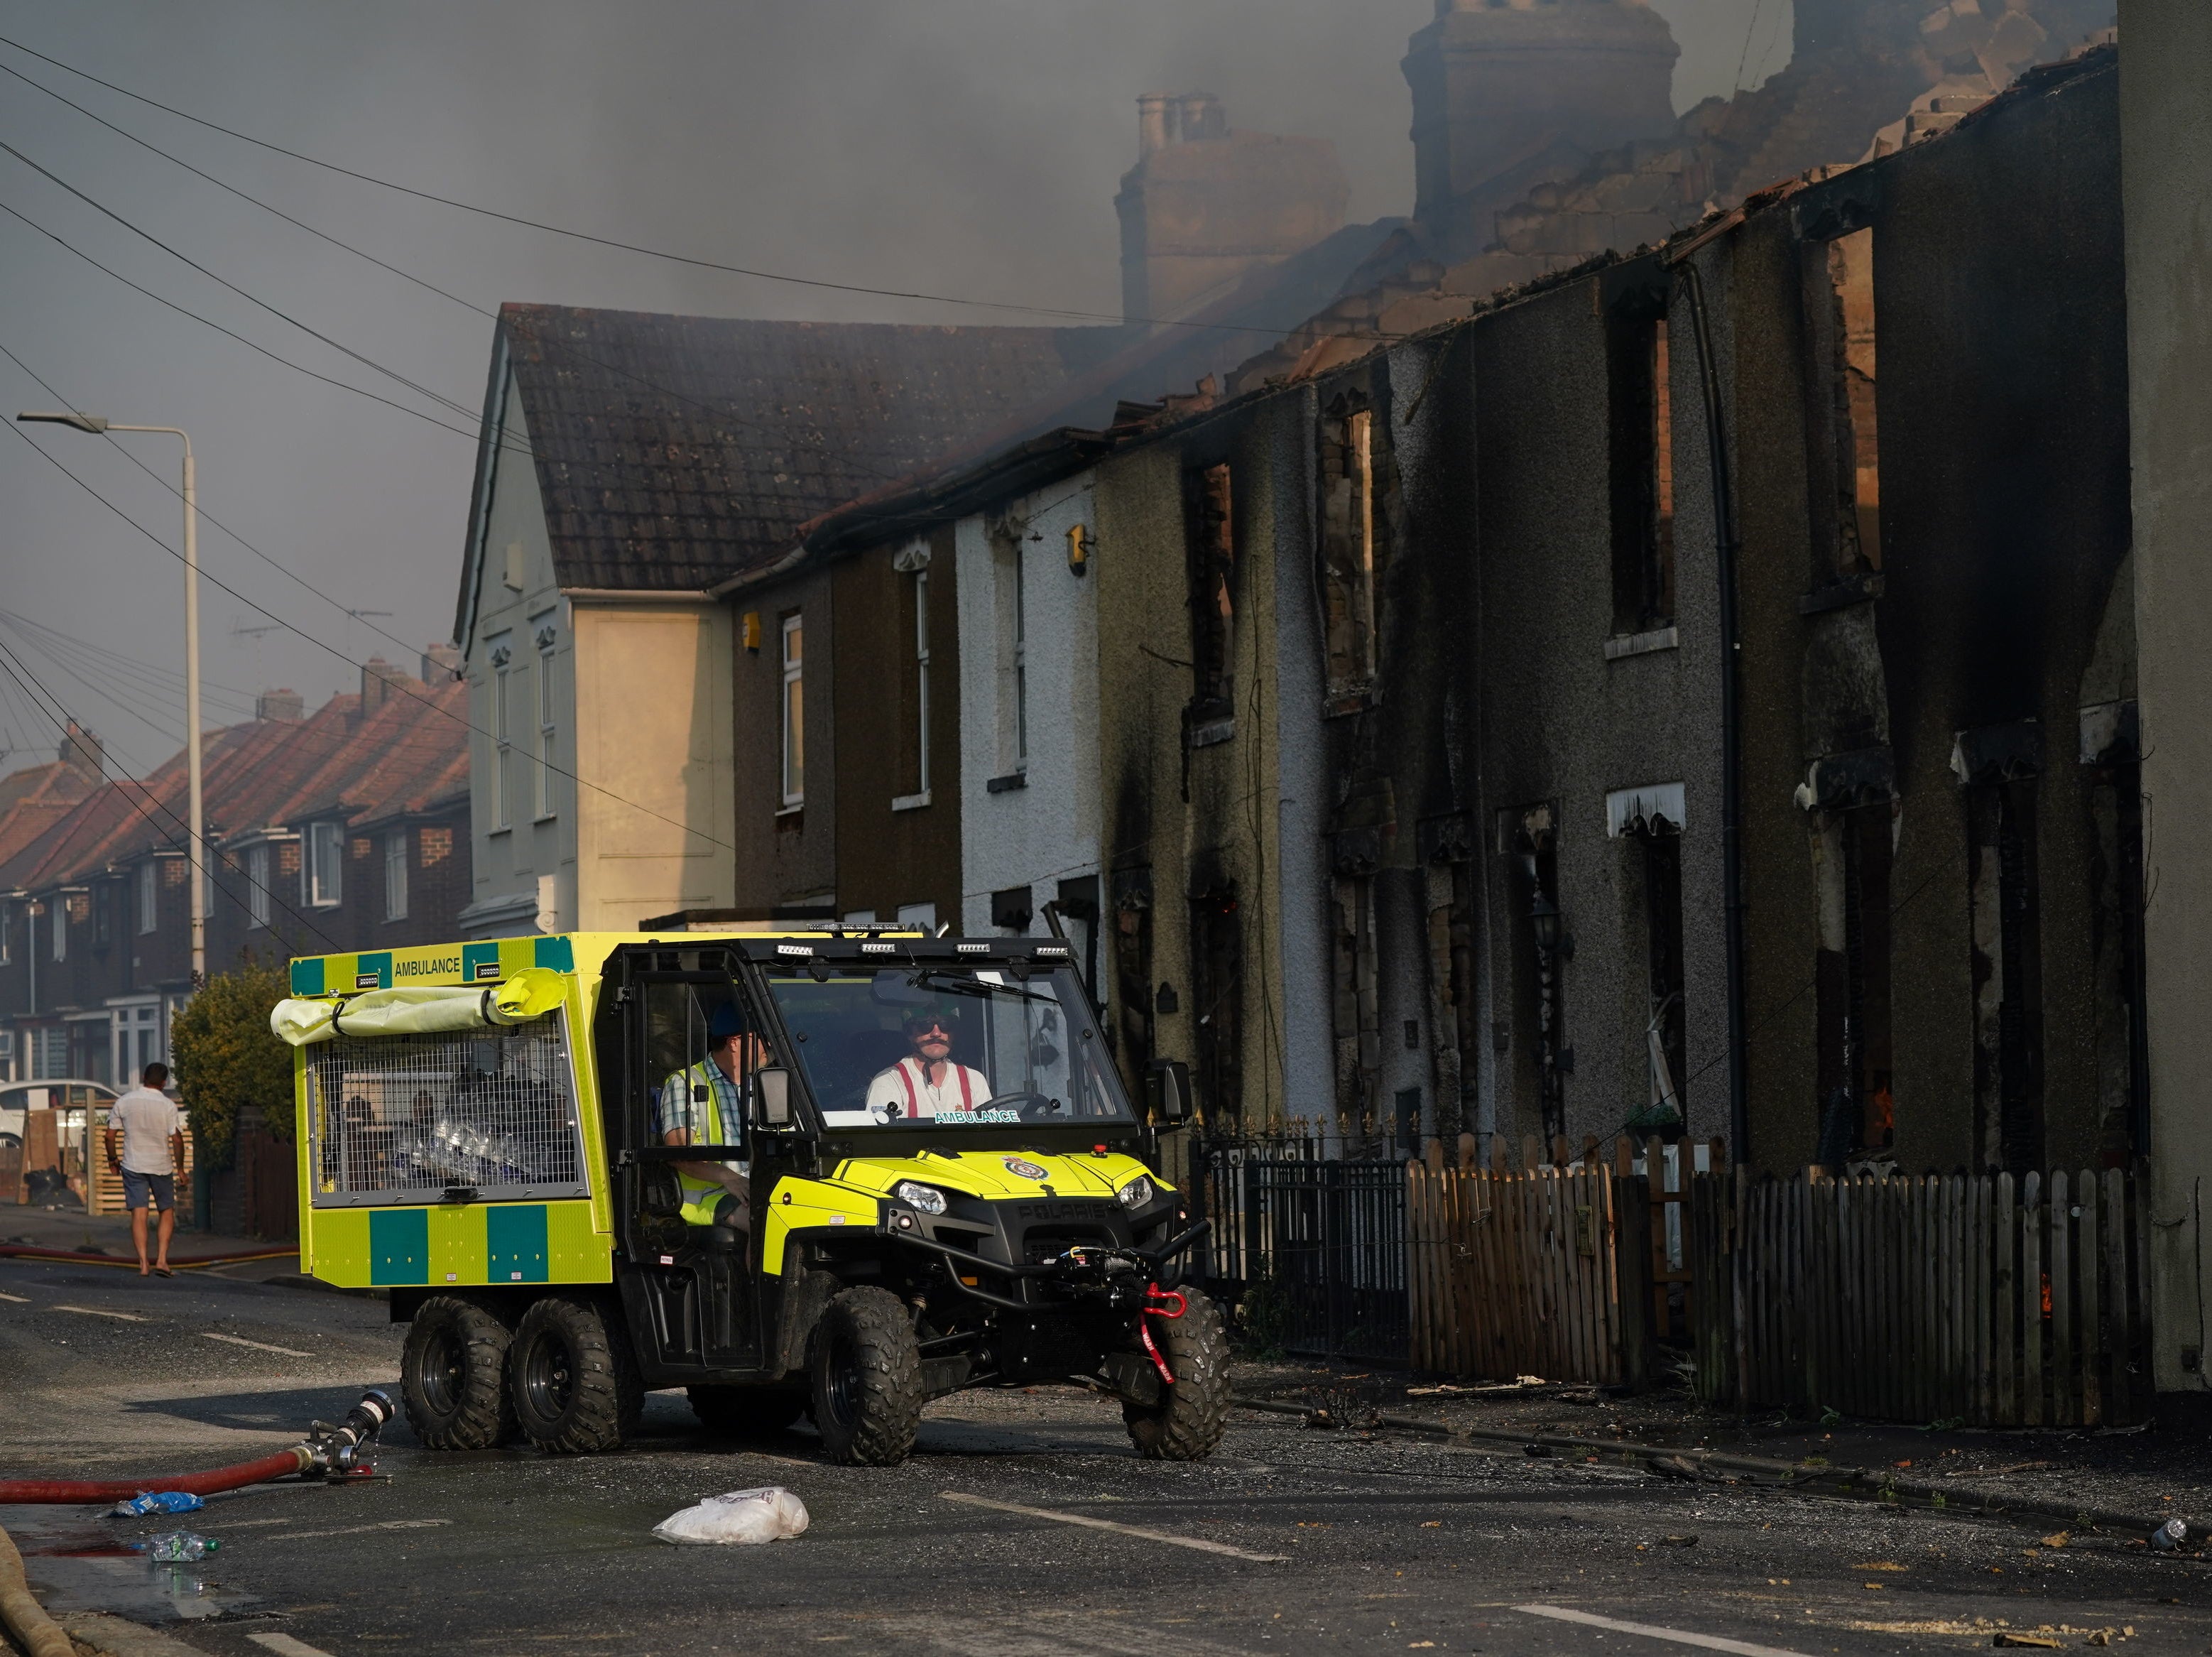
x=1312, y=1541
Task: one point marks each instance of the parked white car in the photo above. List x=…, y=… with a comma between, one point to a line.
x=73, y=1093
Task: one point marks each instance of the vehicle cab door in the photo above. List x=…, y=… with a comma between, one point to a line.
x=675, y=1124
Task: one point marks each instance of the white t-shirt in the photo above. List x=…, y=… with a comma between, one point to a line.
x=907, y=1086
x=147, y=1119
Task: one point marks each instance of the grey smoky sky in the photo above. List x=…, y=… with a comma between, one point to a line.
x=964, y=147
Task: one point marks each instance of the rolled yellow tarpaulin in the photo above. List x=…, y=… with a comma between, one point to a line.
x=420, y=1009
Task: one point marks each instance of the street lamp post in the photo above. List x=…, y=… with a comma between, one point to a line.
x=198, y=883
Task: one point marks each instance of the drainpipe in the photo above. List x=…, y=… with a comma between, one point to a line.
x=1726, y=547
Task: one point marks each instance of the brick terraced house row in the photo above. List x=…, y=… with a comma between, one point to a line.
x=345, y=828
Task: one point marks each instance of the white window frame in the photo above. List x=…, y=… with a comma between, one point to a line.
x=547, y=709
x=395, y=874
x=921, y=677
x=794, y=711
x=148, y=896
x=502, y=739
x=258, y=905
x=323, y=879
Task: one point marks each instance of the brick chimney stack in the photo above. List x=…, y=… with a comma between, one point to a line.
x=378, y=676
x=283, y=706
x=1204, y=206
x=81, y=748
x=1499, y=88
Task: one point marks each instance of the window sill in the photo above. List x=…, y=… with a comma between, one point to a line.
x=1863, y=588
x=911, y=801
x=1007, y=783
x=791, y=810
x=493, y=833
x=1641, y=644
x=1338, y=704
x=1205, y=734
x=545, y=817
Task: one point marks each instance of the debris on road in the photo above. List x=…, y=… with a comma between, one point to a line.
x=770, y=1514
x=156, y=1501
x=179, y=1547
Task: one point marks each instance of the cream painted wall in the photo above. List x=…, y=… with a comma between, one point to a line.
x=642, y=713
x=656, y=822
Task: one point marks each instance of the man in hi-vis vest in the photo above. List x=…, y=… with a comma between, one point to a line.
x=928, y=1083
x=705, y=1105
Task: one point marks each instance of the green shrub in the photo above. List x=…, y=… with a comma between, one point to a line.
x=226, y=1059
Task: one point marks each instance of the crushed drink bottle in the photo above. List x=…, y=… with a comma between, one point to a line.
x=180, y=1547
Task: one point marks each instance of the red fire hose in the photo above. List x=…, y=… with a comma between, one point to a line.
x=282, y=1465
x=25, y=1252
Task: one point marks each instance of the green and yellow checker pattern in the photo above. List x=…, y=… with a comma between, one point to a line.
x=469, y=1245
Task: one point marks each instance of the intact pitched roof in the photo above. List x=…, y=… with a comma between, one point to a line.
x=33, y=799
x=671, y=452
x=410, y=754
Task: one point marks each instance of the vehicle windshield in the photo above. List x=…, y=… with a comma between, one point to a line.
x=951, y=1047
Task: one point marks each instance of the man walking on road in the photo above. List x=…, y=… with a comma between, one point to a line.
x=146, y=1123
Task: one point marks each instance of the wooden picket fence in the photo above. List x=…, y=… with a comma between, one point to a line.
x=1544, y=1272
x=1975, y=1298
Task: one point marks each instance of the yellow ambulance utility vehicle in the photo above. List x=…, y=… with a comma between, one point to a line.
x=836, y=1173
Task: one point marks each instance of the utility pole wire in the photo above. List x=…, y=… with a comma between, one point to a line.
x=207, y=518
x=416, y=387
x=249, y=344
x=633, y=247
x=399, y=687
x=132, y=790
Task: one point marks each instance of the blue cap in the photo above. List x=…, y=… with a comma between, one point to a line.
x=723, y=1022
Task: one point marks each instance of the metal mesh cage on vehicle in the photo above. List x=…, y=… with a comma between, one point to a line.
x=403, y=1119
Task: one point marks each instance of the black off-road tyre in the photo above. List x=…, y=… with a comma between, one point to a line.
x=867, y=1379
x=747, y=1411
x=452, y=1375
x=571, y=1381
x=1187, y=1422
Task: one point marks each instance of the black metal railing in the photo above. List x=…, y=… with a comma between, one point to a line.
x=1308, y=1239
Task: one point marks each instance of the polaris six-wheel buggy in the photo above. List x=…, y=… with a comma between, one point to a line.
x=1012, y=1235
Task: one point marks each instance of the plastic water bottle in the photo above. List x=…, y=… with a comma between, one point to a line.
x=157, y=1501
x=180, y=1547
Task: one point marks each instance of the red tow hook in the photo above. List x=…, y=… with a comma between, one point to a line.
x=1156, y=1305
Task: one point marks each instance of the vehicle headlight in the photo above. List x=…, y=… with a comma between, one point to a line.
x=927, y=1198
x=1136, y=1192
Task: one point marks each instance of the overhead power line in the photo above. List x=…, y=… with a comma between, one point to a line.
x=554, y=346
x=397, y=687
x=283, y=570
x=752, y=271
x=41, y=697
x=285, y=361
x=339, y=346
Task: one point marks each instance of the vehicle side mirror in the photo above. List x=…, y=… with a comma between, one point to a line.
x=1167, y=1091
x=774, y=1086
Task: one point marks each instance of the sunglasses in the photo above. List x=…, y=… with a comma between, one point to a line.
x=933, y=1028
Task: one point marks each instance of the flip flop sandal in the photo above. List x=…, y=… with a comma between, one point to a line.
x=163, y=1271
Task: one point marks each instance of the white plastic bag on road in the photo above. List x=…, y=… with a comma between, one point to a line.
x=767, y=1514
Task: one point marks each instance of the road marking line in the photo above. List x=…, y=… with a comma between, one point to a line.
x=285, y=1645
x=1681, y=1637
x=1199, y=1543
x=94, y=1312
x=19, y=1300
x=362, y=1530
x=259, y=1346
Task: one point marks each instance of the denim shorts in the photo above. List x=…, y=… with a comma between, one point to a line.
x=139, y=1189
